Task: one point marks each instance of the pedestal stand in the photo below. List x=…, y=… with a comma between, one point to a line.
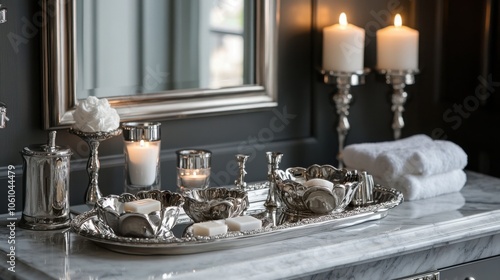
x=398, y=79
x=342, y=99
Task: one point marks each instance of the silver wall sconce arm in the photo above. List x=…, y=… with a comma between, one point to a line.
x=3, y=14
x=3, y=115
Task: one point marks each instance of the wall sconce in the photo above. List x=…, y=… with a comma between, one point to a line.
x=3, y=14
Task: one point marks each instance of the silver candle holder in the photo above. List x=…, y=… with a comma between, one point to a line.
x=193, y=169
x=142, y=142
x=273, y=162
x=344, y=81
x=93, y=140
x=398, y=79
x=240, y=181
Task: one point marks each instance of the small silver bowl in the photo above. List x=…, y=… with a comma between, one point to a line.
x=316, y=199
x=215, y=203
x=156, y=224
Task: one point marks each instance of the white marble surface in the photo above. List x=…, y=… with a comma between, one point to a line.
x=415, y=237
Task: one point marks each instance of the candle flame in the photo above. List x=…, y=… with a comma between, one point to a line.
x=398, y=22
x=141, y=143
x=343, y=19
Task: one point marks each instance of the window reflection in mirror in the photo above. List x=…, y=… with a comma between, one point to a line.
x=151, y=46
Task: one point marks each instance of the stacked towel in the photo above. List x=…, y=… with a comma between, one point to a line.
x=417, y=166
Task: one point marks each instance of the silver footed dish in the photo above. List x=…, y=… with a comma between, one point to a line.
x=157, y=224
x=215, y=203
x=301, y=191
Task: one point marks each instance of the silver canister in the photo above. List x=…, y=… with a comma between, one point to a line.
x=46, y=186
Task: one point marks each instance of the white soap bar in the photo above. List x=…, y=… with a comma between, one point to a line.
x=142, y=206
x=319, y=183
x=210, y=228
x=243, y=223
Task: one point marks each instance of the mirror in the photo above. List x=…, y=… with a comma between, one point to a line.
x=158, y=59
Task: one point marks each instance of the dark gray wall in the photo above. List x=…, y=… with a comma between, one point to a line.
x=308, y=135
x=225, y=136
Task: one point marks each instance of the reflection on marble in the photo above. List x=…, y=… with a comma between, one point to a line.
x=415, y=237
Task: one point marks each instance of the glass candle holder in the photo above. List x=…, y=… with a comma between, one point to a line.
x=142, y=156
x=193, y=169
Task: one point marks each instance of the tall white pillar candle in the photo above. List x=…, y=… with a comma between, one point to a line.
x=397, y=47
x=343, y=47
x=142, y=162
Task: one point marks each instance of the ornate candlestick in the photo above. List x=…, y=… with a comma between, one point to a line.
x=240, y=181
x=342, y=99
x=398, y=79
x=273, y=162
x=93, y=139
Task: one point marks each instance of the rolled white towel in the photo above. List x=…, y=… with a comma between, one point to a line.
x=431, y=158
x=362, y=156
x=415, y=187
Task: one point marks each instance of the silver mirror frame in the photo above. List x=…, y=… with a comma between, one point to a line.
x=59, y=80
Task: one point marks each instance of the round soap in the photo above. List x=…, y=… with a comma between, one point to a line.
x=319, y=183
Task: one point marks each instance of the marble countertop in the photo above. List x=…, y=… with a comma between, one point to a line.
x=438, y=232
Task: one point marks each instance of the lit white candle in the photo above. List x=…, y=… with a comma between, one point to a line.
x=343, y=47
x=142, y=162
x=397, y=47
x=194, y=181
x=195, y=178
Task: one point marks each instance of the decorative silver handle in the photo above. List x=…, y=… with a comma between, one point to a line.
x=3, y=112
x=3, y=14
x=426, y=276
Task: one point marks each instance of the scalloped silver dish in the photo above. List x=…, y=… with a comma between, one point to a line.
x=215, y=203
x=87, y=225
x=157, y=224
x=299, y=197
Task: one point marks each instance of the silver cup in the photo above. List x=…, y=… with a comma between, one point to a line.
x=193, y=169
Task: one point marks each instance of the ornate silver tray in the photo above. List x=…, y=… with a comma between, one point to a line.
x=276, y=225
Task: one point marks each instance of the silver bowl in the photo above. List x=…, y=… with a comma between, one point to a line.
x=316, y=199
x=156, y=224
x=215, y=203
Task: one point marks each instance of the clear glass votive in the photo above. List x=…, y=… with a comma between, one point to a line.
x=193, y=169
x=142, y=156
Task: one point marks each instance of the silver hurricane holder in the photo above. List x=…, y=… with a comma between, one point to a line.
x=93, y=139
x=342, y=99
x=398, y=79
x=273, y=162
